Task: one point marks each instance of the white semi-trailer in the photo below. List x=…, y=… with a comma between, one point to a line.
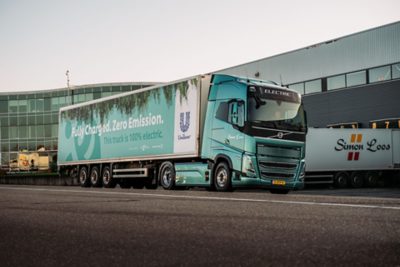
x=352, y=157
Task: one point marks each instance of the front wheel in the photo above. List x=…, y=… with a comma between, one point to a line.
x=167, y=175
x=222, y=177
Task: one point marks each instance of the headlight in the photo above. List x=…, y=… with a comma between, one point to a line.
x=302, y=172
x=247, y=166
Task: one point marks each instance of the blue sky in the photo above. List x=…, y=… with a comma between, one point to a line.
x=102, y=41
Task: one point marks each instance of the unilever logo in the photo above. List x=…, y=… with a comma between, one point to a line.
x=184, y=124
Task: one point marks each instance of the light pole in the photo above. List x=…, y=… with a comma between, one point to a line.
x=68, y=87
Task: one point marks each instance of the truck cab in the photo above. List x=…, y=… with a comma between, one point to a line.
x=254, y=135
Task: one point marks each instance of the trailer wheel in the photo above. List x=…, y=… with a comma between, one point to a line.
x=138, y=184
x=95, y=180
x=151, y=182
x=84, y=179
x=107, y=179
x=340, y=180
x=167, y=175
x=222, y=177
x=125, y=183
x=357, y=179
x=371, y=179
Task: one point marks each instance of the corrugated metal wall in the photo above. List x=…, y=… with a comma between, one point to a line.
x=361, y=104
x=375, y=47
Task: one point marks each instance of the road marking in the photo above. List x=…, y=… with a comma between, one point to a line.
x=207, y=198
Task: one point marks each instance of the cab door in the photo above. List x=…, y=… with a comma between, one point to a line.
x=226, y=136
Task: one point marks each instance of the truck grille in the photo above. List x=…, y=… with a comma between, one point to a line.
x=278, y=162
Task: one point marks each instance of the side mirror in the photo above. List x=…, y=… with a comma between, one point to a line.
x=236, y=113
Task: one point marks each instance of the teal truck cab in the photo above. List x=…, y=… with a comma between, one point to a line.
x=254, y=135
x=215, y=131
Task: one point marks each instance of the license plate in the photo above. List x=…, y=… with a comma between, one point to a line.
x=278, y=182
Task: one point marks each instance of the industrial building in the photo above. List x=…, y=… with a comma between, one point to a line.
x=351, y=81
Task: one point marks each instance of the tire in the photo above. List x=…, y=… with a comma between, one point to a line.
x=84, y=179
x=340, y=180
x=371, y=179
x=357, y=179
x=279, y=191
x=125, y=183
x=222, y=177
x=107, y=179
x=151, y=182
x=95, y=179
x=167, y=175
x=138, y=184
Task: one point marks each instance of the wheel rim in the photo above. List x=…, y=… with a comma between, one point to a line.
x=166, y=178
x=94, y=177
x=222, y=177
x=357, y=180
x=82, y=177
x=106, y=177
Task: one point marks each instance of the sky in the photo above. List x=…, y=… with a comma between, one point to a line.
x=106, y=41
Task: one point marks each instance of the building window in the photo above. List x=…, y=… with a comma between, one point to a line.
x=4, y=147
x=13, y=106
x=299, y=87
x=4, y=133
x=39, y=131
x=31, y=105
x=32, y=131
x=380, y=74
x=23, y=104
x=396, y=71
x=356, y=78
x=55, y=104
x=23, y=132
x=3, y=106
x=54, y=130
x=47, y=104
x=336, y=82
x=4, y=121
x=314, y=86
x=13, y=121
x=13, y=132
x=39, y=105
x=22, y=120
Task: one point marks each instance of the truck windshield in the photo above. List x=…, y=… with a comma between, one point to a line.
x=275, y=109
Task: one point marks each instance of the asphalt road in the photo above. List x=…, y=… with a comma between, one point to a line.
x=71, y=226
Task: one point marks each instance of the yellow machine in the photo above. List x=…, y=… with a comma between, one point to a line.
x=30, y=161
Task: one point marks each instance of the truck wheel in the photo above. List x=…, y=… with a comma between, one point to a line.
x=138, y=184
x=357, y=179
x=222, y=177
x=340, y=180
x=371, y=179
x=151, y=182
x=84, y=179
x=107, y=179
x=125, y=183
x=167, y=175
x=95, y=180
